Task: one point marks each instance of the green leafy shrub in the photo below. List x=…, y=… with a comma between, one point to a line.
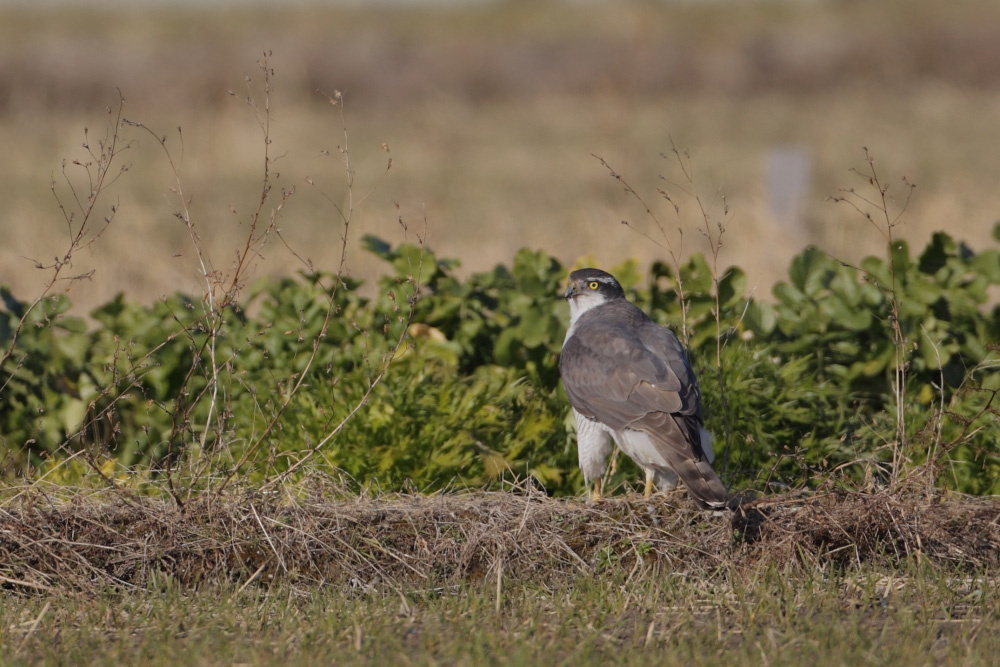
x=474, y=396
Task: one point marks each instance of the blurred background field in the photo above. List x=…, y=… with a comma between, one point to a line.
x=492, y=113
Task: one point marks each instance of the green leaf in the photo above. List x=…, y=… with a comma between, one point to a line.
x=844, y=288
x=876, y=271
x=628, y=274
x=537, y=274
x=697, y=276
x=788, y=294
x=936, y=255
x=534, y=331
x=900, y=253
x=846, y=315
x=987, y=263
x=760, y=318
x=15, y=306
x=810, y=270
x=377, y=246
x=412, y=261
x=732, y=287
x=75, y=325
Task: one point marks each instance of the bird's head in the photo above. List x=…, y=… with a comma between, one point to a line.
x=589, y=288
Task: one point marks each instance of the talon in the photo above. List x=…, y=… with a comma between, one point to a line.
x=648, y=490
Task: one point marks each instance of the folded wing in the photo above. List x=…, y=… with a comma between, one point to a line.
x=629, y=373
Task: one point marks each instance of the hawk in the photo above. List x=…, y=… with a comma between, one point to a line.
x=629, y=379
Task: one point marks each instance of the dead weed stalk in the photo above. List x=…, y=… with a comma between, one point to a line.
x=322, y=531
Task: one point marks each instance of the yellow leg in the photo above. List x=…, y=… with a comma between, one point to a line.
x=595, y=493
x=648, y=491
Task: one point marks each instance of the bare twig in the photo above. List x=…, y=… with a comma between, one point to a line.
x=886, y=223
x=100, y=174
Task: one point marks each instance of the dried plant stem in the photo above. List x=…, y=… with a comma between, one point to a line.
x=221, y=291
x=65, y=539
x=713, y=232
x=79, y=216
x=675, y=256
x=885, y=223
x=345, y=214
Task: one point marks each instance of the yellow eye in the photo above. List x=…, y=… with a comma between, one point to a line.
x=593, y=284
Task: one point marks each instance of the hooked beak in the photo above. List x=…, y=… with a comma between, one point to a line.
x=571, y=291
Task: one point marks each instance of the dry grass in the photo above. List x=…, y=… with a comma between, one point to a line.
x=61, y=539
x=491, y=131
x=319, y=575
